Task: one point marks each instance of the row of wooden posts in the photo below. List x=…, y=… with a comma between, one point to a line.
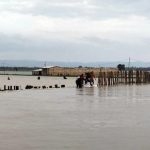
x=123, y=77
x=11, y=88
x=16, y=88
x=28, y=87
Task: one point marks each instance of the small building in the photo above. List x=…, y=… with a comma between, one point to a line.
x=48, y=71
x=37, y=72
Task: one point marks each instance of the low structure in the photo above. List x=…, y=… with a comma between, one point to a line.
x=65, y=71
x=37, y=72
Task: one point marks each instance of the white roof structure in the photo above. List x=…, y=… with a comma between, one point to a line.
x=47, y=67
x=37, y=70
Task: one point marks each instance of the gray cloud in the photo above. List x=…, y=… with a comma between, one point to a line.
x=69, y=30
x=71, y=8
x=89, y=48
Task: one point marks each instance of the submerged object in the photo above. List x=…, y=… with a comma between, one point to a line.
x=64, y=77
x=38, y=78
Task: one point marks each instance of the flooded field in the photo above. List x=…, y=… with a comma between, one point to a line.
x=22, y=81
x=107, y=118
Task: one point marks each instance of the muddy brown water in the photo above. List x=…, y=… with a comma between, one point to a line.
x=107, y=118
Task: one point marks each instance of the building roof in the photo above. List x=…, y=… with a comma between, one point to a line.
x=37, y=70
x=47, y=67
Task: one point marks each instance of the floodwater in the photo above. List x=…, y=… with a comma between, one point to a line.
x=47, y=81
x=107, y=118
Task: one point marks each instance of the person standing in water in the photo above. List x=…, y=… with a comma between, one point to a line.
x=80, y=81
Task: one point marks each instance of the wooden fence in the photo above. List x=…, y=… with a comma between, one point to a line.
x=123, y=77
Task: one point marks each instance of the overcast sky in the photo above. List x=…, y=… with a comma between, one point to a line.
x=75, y=30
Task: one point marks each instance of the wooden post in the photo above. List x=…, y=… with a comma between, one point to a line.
x=132, y=76
x=5, y=88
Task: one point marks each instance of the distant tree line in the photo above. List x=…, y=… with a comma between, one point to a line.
x=143, y=68
x=122, y=67
x=18, y=68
